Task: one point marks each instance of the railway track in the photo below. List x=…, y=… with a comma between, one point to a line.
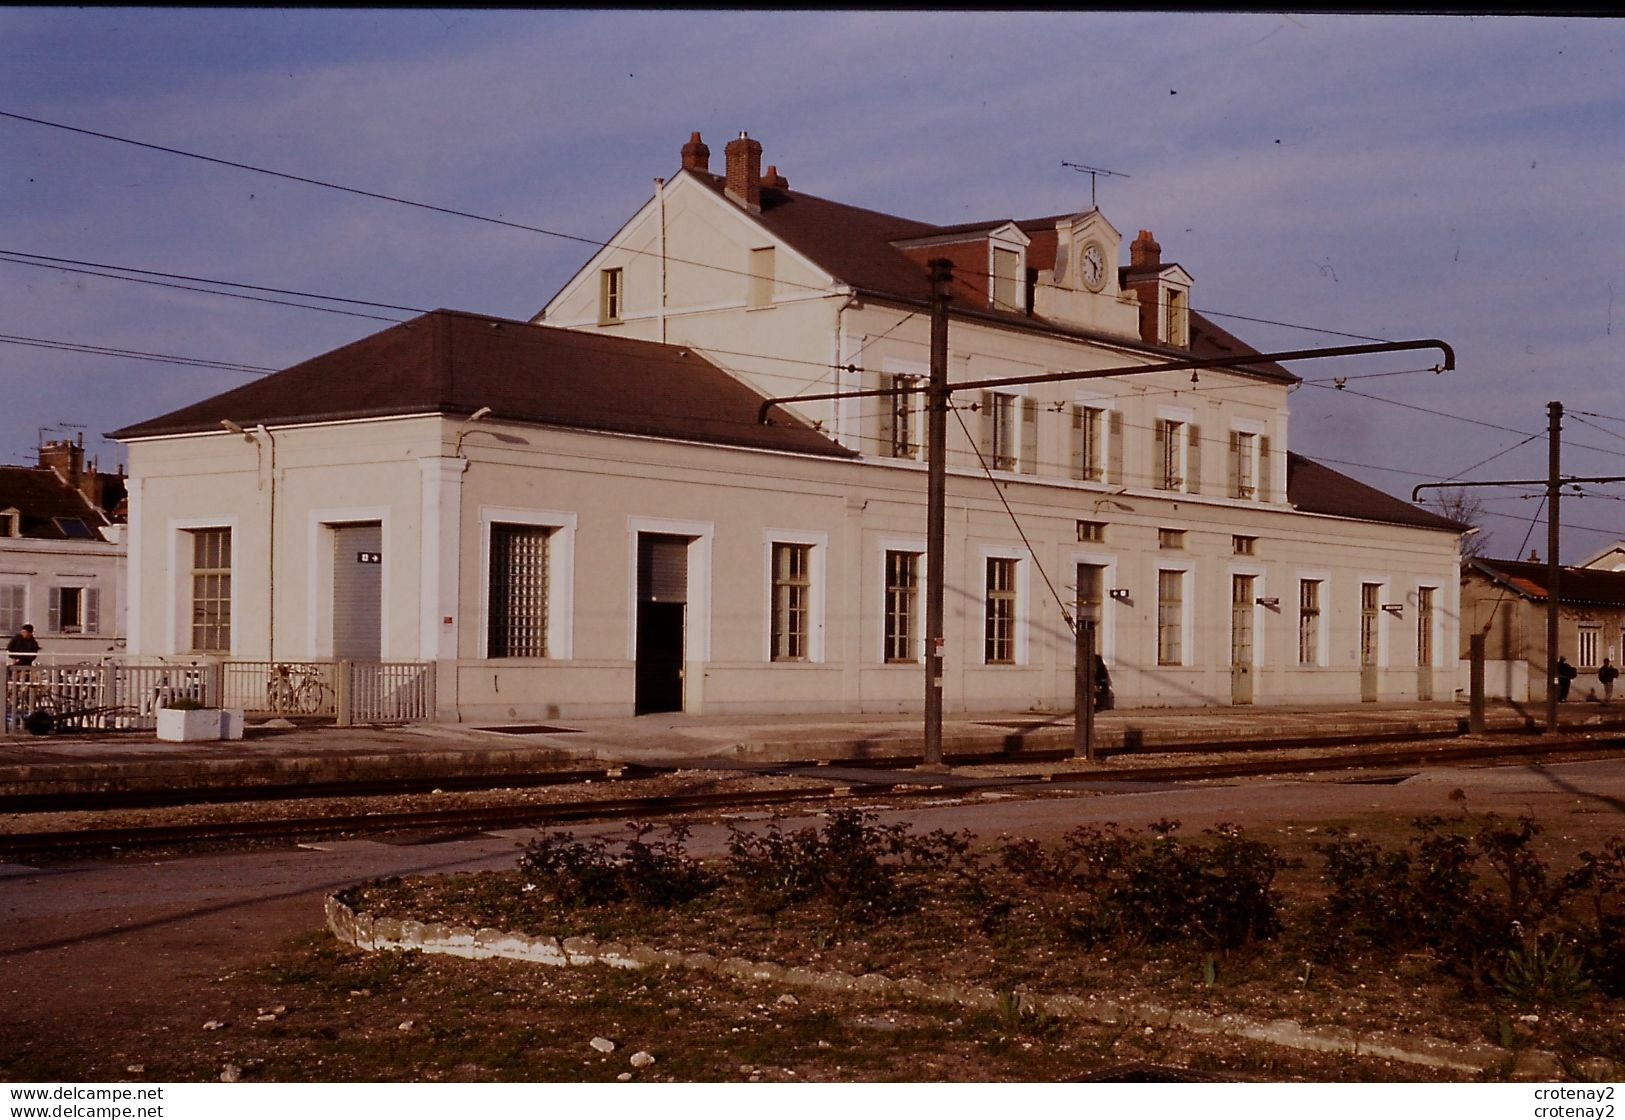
x=893, y=779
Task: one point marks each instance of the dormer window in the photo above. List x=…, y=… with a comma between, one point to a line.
x=1177, y=325
x=1007, y=273
x=11, y=523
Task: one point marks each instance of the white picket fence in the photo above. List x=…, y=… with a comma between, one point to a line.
x=126, y=694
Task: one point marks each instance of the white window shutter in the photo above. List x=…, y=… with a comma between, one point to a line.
x=1029, y=436
x=1193, y=462
x=1266, y=492
x=54, y=622
x=89, y=608
x=1114, y=449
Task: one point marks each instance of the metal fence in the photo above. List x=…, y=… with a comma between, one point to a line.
x=109, y=695
x=126, y=695
x=388, y=691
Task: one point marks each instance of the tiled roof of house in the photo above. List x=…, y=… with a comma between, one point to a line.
x=1578, y=586
x=456, y=363
x=856, y=247
x=1314, y=488
x=49, y=508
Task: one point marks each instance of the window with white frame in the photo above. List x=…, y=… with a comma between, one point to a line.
x=74, y=609
x=211, y=590
x=762, y=266
x=999, y=632
x=13, y=607
x=1588, y=655
x=1243, y=465
x=1370, y=624
x=902, y=415
x=518, y=603
x=902, y=605
x=1309, y=621
x=1170, y=617
x=1087, y=461
x=11, y=523
x=610, y=296
x=792, y=601
x=1177, y=449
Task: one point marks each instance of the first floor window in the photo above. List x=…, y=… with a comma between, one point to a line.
x=999, y=645
x=1001, y=427
x=1308, y=622
x=792, y=595
x=1170, y=618
x=1086, y=458
x=902, y=593
x=1243, y=465
x=1170, y=455
x=899, y=424
x=73, y=610
x=518, y=599
x=12, y=614
x=211, y=590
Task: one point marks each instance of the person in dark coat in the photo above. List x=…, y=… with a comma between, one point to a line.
x=1606, y=676
x=23, y=647
x=1565, y=674
x=1103, y=686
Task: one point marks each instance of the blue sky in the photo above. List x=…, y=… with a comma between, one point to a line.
x=1385, y=176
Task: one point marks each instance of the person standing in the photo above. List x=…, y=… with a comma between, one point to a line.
x=23, y=647
x=1606, y=676
x=1565, y=674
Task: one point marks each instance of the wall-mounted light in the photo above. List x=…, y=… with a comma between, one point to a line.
x=478, y=414
x=1119, y=593
x=1271, y=603
x=236, y=429
x=1395, y=609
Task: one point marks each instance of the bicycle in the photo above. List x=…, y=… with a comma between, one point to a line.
x=296, y=689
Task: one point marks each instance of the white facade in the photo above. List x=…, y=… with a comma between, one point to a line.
x=557, y=571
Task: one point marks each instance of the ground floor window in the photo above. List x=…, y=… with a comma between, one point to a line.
x=999, y=636
x=1308, y=622
x=211, y=590
x=792, y=598
x=902, y=596
x=518, y=601
x=1170, y=618
x=1589, y=656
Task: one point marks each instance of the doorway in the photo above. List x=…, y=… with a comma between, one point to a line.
x=1241, y=639
x=358, y=584
x=662, y=622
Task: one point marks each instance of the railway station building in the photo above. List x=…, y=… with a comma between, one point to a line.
x=583, y=514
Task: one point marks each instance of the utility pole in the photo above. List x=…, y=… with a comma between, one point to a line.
x=936, y=516
x=1554, y=571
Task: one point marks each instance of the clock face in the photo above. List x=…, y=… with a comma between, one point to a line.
x=1094, y=266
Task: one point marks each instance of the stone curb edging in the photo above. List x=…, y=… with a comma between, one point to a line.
x=365, y=931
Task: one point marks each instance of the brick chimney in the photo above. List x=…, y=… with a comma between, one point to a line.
x=744, y=183
x=1144, y=252
x=774, y=179
x=696, y=156
x=64, y=457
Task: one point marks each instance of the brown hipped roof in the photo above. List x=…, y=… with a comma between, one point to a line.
x=455, y=363
x=45, y=504
x=1313, y=488
x=856, y=246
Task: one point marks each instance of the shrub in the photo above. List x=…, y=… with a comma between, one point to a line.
x=863, y=869
x=1113, y=887
x=575, y=872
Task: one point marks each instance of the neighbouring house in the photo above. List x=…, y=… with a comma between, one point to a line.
x=62, y=553
x=1506, y=601
x=584, y=515
x=1610, y=558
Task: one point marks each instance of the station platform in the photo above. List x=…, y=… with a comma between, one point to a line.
x=280, y=755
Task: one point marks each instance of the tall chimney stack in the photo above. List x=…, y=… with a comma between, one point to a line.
x=1144, y=252
x=696, y=156
x=744, y=183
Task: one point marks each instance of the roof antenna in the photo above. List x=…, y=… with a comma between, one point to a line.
x=1092, y=172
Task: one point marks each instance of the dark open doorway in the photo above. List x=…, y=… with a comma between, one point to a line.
x=662, y=621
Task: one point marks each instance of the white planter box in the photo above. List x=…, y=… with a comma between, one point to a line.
x=181, y=725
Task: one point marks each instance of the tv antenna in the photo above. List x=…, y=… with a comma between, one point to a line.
x=1092, y=172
